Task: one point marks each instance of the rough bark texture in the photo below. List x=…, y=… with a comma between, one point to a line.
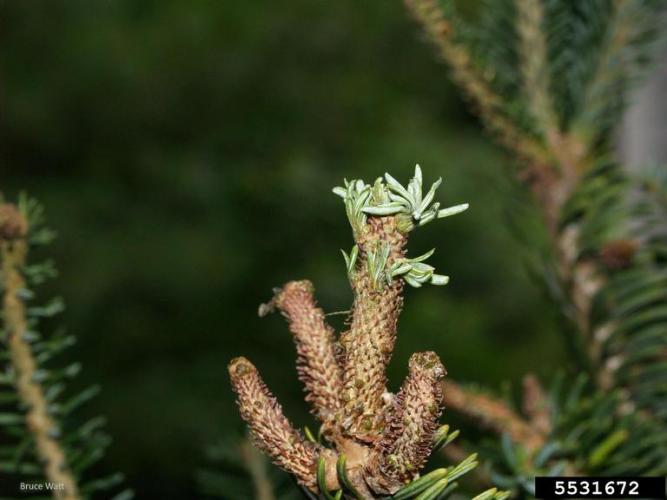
x=368, y=344
x=384, y=440
x=272, y=433
x=317, y=366
x=412, y=421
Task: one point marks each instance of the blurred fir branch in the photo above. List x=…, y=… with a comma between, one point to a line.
x=550, y=79
x=570, y=429
x=236, y=470
x=41, y=442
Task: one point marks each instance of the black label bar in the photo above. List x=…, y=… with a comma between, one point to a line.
x=600, y=487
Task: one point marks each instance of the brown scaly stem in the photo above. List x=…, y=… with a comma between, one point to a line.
x=411, y=423
x=368, y=344
x=317, y=366
x=379, y=442
x=13, y=231
x=272, y=432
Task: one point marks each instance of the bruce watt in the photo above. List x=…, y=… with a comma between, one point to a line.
x=42, y=486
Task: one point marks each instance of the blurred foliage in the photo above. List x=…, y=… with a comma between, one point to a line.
x=40, y=438
x=185, y=152
x=248, y=473
x=551, y=80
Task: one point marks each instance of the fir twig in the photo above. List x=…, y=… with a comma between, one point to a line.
x=484, y=99
x=14, y=230
x=380, y=441
x=534, y=68
x=494, y=414
x=314, y=340
x=273, y=433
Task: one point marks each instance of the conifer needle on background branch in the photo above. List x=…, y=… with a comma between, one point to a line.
x=40, y=445
x=558, y=84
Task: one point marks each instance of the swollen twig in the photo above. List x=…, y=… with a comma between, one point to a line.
x=380, y=441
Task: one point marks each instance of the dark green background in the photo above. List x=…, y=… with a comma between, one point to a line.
x=186, y=151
